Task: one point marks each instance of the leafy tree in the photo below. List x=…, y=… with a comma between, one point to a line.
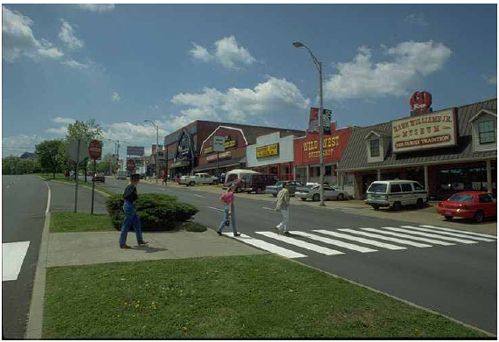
x=86, y=131
x=17, y=166
x=51, y=155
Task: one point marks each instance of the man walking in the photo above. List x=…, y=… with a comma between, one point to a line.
x=131, y=217
x=283, y=206
x=227, y=199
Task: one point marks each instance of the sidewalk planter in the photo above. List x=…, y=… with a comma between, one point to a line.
x=157, y=212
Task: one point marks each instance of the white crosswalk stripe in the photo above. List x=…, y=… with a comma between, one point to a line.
x=287, y=253
x=460, y=231
x=13, y=254
x=412, y=232
x=445, y=233
x=302, y=244
x=387, y=238
x=416, y=238
x=334, y=242
x=359, y=239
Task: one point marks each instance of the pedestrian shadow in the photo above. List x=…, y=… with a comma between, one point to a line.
x=149, y=249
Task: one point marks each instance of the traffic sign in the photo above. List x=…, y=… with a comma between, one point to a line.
x=130, y=165
x=95, y=149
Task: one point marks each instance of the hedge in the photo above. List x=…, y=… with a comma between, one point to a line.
x=156, y=211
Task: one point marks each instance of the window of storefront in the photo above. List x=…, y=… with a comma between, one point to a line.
x=328, y=170
x=374, y=147
x=486, y=132
x=465, y=178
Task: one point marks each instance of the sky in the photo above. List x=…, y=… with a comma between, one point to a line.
x=173, y=64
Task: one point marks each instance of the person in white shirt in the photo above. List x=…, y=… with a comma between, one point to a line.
x=283, y=206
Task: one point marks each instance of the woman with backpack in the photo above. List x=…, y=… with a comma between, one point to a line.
x=227, y=199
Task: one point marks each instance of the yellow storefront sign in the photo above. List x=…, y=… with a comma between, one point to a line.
x=267, y=151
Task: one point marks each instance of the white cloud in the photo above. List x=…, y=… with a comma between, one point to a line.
x=275, y=96
x=67, y=36
x=18, y=144
x=363, y=78
x=62, y=126
x=18, y=39
x=416, y=19
x=98, y=8
x=490, y=79
x=74, y=64
x=227, y=52
x=115, y=97
x=61, y=120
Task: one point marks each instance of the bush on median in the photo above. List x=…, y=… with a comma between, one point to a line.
x=157, y=212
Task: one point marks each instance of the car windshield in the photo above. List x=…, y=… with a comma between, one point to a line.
x=377, y=187
x=461, y=198
x=279, y=183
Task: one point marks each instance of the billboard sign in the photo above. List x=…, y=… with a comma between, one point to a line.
x=313, y=121
x=218, y=144
x=434, y=130
x=267, y=151
x=135, y=151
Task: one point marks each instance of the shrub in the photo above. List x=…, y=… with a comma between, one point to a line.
x=156, y=211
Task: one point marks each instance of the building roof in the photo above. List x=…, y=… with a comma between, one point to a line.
x=355, y=155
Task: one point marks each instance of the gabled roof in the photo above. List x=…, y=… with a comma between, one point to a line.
x=355, y=155
x=483, y=112
x=374, y=132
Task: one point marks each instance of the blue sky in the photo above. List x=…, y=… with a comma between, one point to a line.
x=122, y=64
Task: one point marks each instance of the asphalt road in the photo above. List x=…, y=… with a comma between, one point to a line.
x=457, y=280
x=24, y=204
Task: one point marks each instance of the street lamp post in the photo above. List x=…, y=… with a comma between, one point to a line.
x=318, y=65
x=157, y=148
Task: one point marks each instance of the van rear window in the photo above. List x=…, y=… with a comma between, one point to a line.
x=377, y=187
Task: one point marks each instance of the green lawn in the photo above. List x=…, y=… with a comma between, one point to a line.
x=63, y=222
x=61, y=178
x=225, y=297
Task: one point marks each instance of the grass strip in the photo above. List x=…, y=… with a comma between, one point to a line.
x=225, y=297
x=61, y=178
x=64, y=222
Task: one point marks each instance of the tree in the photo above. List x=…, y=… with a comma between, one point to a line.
x=51, y=155
x=85, y=131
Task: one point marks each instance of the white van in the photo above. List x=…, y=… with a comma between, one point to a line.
x=396, y=193
x=235, y=175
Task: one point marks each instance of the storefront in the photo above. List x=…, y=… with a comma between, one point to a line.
x=272, y=154
x=447, y=151
x=307, y=155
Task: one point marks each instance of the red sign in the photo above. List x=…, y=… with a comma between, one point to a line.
x=420, y=102
x=130, y=165
x=307, y=149
x=95, y=149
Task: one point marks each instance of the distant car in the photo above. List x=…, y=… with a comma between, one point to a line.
x=198, y=178
x=99, y=177
x=312, y=192
x=475, y=205
x=122, y=175
x=274, y=189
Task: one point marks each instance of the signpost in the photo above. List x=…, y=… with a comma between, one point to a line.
x=218, y=146
x=76, y=150
x=94, y=151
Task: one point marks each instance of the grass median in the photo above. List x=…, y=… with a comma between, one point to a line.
x=225, y=297
x=61, y=178
x=65, y=222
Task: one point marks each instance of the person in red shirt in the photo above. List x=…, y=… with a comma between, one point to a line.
x=227, y=199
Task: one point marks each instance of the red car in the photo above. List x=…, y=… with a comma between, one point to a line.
x=475, y=205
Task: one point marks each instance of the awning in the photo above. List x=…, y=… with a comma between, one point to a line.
x=180, y=163
x=213, y=166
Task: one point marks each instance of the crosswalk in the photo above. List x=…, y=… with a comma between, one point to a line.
x=13, y=254
x=360, y=240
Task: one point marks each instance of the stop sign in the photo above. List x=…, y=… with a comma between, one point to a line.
x=130, y=165
x=95, y=149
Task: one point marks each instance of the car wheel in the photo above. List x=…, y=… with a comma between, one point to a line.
x=259, y=190
x=341, y=197
x=448, y=218
x=397, y=206
x=191, y=183
x=316, y=197
x=303, y=199
x=478, y=216
x=420, y=203
x=375, y=207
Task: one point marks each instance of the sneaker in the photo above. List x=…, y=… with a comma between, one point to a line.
x=219, y=233
x=141, y=243
x=287, y=233
x=125, y=247
x=237, y=234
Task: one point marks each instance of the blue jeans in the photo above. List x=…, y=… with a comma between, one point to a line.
x=131, y=218
x=226, y=217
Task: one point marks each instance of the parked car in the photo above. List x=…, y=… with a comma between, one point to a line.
x=396, y=193
x=312, y=192
x=256, y=182
x=99, y=177
x=122, y=175
x=198, y=178
x=236, y=175
x=274, y=189
x=475, y=205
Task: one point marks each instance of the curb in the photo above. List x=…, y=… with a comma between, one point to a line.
x=35, y=316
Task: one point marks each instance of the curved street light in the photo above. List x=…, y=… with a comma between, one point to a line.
x=318, y=65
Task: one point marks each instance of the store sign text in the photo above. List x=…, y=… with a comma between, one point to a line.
x=267, y=151
x=426, y=131
x=313, y=148
x=229, y=142
x=224, y=155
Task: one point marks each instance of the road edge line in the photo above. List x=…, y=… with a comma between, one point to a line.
x=35, y=316
x=466, y=325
